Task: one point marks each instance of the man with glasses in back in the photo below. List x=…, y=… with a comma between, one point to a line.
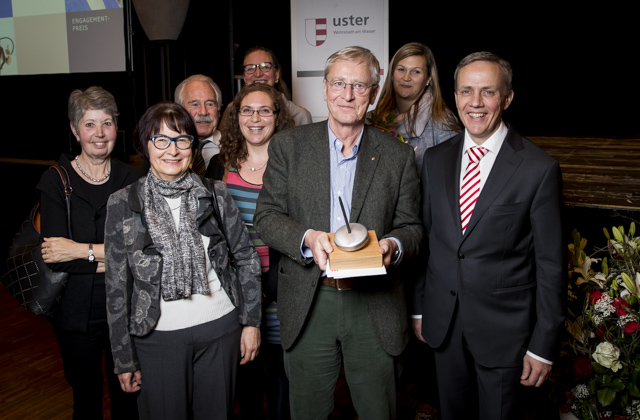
x=260, y=65
x=202, y=98
x=360, y=322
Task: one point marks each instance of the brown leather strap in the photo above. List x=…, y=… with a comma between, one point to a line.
x=340, y=284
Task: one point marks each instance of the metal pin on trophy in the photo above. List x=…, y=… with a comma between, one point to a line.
x=351, y=236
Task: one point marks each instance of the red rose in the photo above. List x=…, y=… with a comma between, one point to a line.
x=631, y=327
x=595, y=297
x=621, y=306
x=582, y=366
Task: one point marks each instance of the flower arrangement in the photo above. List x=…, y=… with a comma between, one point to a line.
x=604, y=329
x=385, y=124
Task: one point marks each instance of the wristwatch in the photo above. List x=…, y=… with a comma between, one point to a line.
x=394, y=258
x=92, y=257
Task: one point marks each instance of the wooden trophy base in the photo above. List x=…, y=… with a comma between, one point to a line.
x=366, y=257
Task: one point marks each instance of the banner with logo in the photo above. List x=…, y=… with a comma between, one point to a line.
x=320, y=28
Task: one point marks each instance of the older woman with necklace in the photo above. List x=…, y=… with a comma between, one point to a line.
x=80, y=324
x=183, y=279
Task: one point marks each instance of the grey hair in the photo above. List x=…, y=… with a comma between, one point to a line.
x=198, y=78
x=359, y=55
x=95, y=97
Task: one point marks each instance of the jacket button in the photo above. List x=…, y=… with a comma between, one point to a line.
x=453, y=293
x=460, y=256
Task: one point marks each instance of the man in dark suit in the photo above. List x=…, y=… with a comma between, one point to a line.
x=491, y=299
x=361, y=322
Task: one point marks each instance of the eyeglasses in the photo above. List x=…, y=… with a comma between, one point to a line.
x=263, y=112
x=359, y=88
x=162, y=142
x=264, y=67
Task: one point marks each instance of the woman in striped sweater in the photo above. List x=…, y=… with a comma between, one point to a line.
x=257, y=113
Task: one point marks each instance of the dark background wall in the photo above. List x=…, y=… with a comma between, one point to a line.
x=574, y=74
x=572, y=69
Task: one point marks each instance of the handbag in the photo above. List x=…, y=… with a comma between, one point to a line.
x=27, y=277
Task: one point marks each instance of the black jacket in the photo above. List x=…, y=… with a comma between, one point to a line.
x=87, y=225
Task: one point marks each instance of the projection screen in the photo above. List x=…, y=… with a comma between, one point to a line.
x=61, y=36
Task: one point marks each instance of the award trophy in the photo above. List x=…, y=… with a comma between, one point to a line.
x=354, y=247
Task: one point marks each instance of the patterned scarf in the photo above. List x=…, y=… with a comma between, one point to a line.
x=182, y=249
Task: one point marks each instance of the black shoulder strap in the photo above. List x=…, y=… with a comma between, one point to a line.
x=216, y=209
x=66, y=183
x=216, y=213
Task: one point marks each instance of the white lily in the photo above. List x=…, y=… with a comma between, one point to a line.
x=588, y=274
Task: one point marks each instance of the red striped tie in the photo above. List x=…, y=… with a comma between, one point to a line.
x=470, y=189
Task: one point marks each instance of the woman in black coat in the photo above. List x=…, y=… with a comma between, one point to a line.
x=80, y=324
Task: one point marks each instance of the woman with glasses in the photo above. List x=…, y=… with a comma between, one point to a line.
x=183, y=279
x=260, y=65
x=257, y=113
x=80, y=324
x=411, y=102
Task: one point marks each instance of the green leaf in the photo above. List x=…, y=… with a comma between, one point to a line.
x=633, y=386
x=618, y=234
x=606, y=396
x=616, y=385
x=592, y=413
x=632, y=229
x=630, y=284
x=606, y=233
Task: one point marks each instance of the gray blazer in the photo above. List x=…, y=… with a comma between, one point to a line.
x=295, y=197
x=134, y=266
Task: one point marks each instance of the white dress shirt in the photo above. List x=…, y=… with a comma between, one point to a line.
x=210, y=146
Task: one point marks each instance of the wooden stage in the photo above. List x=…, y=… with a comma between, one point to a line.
x=597, y=172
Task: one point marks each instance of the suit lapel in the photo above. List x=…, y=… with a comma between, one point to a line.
x=368, y=158
x=504, y=167
x=317, y=160
x=452, y=161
